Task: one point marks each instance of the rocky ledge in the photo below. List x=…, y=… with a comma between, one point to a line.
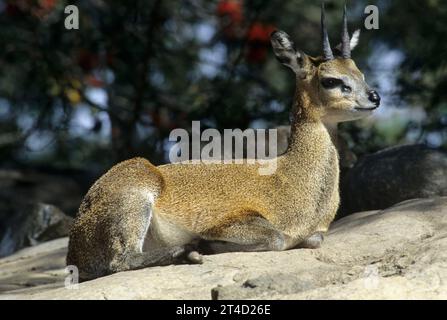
x=396, y=253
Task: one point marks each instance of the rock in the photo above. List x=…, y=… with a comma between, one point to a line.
x=34, y=268
x=28, y=192
x=400, y=252
x=29, y=223
x=60, y=190
x=393, y=175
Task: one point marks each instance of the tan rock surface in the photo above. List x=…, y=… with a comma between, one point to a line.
x=397, y=253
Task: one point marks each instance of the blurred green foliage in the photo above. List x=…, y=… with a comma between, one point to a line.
x=160, y=64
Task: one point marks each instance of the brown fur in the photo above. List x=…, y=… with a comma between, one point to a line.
x=229, y=206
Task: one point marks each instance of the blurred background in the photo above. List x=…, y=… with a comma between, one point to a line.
x=74, y=102
x=135, y=70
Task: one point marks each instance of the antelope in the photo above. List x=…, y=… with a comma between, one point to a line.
x=138, y=215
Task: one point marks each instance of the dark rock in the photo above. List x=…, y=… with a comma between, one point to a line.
x=392, y=175
x=28, y=224
x=32, y=186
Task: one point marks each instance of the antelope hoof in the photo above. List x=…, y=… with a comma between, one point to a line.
x=189, y=254
x=313, y=242
x=194, y=257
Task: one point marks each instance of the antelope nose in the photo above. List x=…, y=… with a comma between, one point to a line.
x=374, y=97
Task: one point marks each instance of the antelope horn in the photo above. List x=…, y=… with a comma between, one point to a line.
x=345, y=41
x=327, y=51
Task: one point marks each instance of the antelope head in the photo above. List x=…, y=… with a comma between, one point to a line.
x=329, y=87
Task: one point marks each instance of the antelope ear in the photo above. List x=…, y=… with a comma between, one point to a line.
x=353, y=42
x=285, y=51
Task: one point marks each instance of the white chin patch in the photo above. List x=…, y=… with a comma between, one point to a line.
x=365, y=109
x=347, y=115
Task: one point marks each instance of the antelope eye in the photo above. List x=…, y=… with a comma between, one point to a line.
x=330, y=83
x=346, y=89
